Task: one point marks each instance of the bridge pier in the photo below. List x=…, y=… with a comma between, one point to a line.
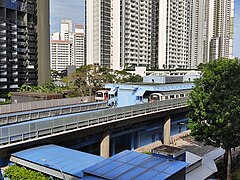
x=105, y=145
x=166, y=130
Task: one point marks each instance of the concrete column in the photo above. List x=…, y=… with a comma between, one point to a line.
x=166, y=130
x=105, y=145
x=113, y=146
x=132, y=141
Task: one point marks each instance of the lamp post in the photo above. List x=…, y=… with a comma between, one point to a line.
x=45, y=160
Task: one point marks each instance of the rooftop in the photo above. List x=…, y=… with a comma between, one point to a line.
x=52, y=159
x=134, y=165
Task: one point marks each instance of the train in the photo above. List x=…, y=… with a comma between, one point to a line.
x=172, y=95
x=101, y=95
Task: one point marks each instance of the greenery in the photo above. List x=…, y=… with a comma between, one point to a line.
x=215, y=105
x=88, y=79
x=18, y=173
x=84, y=82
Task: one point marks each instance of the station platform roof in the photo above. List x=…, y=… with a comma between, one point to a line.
x=57, y=161
x=134, y=165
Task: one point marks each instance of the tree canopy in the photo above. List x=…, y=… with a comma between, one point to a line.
x=215, y=105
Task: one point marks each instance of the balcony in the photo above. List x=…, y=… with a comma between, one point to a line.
x=21, y=6
x=21, y=23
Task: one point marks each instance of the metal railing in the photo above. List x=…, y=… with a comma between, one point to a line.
x=21, y=132
x=28, y=106
x=11, y=118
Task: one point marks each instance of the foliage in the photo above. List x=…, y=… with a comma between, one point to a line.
x=18, y=173
x=49, y=87
x=215, y=105
x=84, y=82
x=88, y=79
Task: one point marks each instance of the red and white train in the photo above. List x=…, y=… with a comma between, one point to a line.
x=101, y=95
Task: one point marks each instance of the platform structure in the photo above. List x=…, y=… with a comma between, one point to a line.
x=121, y=95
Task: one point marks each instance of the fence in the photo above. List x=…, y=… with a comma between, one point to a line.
x=28, y=106
x=6, y=119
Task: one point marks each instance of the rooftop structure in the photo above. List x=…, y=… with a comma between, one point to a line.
x=56, y=161
x=170, y=151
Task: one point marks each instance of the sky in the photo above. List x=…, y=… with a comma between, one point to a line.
x=74, y=9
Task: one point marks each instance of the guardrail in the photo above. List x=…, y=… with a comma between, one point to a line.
x=57, y=125
x=12, y=118
x=27, y=106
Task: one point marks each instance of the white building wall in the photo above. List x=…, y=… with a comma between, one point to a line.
x=162, y=35
x=89, y=30
x=56, y=36
x=116, y=37
x=60, y=55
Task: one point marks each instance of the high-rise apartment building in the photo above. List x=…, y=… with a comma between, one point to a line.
x=213, y=23
x=24, y=31
x=67, y=47
x=118, y=33
x=125, y=34
x=158, y=34
x=78, y=46
x=61, y=54
x=66, y=29
x=174, y=30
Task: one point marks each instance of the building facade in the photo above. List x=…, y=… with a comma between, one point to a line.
x=118, y=33
x=67, y=47
x=159, y=34
x=22, y=57
x=61, y=54
x=212, y=30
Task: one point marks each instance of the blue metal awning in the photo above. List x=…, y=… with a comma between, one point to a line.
x=112, y=91
x=140, y=92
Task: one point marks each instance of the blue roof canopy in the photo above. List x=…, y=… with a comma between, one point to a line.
x=69, y=161
x=130, y=164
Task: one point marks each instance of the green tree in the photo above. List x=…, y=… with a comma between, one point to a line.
x=18, y=173
x=215, y=107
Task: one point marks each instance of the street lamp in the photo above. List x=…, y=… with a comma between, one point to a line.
x=45, y=160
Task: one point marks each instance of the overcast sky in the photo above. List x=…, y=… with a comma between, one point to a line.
x=74, y=9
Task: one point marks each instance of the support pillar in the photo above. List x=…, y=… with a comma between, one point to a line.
x=132, y=141
x=105, y=145
x=113, y=146
x=166, y=130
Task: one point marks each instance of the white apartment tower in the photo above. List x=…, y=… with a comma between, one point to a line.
x=67, y=47
x=174, y=33
x=118, y=33
x=61, y=54
x=66, y=29
x=78, y=46
x=212, y=25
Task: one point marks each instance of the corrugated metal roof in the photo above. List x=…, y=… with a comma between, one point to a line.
x=192, y=158
x=59, y=158
x=208, y=166
x=215, y=154
x=130, y=164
